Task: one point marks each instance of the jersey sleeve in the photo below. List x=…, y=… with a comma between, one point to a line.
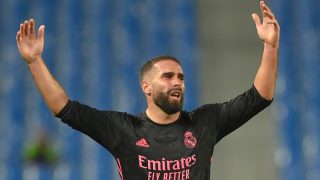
x=224, y=118
x=102, y=126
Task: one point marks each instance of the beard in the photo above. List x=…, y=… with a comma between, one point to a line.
x=162, y=100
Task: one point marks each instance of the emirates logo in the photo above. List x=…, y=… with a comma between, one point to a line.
x=142, y=143
x=189, y=140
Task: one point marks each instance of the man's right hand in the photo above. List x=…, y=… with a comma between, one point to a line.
x=29, y=44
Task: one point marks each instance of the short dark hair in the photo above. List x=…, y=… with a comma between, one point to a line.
x=147, y=66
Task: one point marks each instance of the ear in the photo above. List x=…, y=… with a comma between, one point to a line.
x=146, y=87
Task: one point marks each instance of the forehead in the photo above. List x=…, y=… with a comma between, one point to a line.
x=167, y=65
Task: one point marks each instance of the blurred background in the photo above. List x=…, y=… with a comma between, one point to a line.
x=94, y=48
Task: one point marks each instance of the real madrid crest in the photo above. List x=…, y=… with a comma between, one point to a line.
x=189, y=140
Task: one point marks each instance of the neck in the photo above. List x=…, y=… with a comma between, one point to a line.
x=161, y=117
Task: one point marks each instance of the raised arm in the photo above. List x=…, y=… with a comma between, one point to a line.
x=269, y=33
x=30, y=46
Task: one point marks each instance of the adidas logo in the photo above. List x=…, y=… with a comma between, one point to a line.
x=142, y=142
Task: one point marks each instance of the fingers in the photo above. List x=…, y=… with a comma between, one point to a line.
x=269, y=14
x=18, y=36
x=256, y=19
x=21, y=30
x=266, y=11
x=275, y=23
x=271, y=17
x=31, y=26
x=27, y=28
x=41, y=32
x=263, y=6
x=272, y=20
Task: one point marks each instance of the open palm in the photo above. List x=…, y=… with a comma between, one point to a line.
x=269, y=29
x=29, y=44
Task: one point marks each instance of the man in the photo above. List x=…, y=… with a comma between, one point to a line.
x=164, y=142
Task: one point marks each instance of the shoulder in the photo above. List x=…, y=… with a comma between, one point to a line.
x=203, y=112
x=206, y=109
x=122, y=117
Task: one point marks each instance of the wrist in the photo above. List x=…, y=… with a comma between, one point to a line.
x=34, y=61
x=271, y=46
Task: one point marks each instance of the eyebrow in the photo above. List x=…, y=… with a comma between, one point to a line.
x=180, y=75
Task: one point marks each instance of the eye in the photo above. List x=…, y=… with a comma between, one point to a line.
x=167, y=75
x=181, y=76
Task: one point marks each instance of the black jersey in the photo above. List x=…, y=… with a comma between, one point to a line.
x=145, y=150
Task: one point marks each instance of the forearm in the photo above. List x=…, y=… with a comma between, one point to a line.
x=266, y=76
x=52, y=92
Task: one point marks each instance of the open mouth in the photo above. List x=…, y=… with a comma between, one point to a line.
x=175, y=94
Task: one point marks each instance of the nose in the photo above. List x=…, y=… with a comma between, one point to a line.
x=177, y=82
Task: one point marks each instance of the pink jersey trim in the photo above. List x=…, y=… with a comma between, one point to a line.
x=119, y=168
